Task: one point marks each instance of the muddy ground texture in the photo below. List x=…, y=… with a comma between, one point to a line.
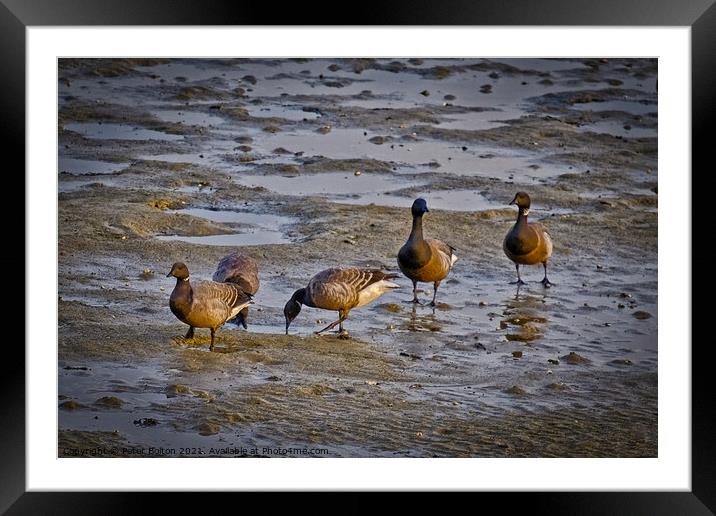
x=307, y=164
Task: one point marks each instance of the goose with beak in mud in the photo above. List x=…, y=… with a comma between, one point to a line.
x=339, y=289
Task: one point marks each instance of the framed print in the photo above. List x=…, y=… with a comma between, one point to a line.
x=433, y=251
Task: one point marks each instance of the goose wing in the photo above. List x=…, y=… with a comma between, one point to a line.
x=444, y=252
x=338, y=288
x=228, y=294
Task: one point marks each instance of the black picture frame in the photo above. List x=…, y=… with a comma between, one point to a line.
x=17, y=15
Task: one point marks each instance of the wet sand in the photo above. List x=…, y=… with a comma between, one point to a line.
x=164, y=161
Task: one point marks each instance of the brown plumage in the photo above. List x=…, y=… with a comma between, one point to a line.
x=424, y=259
x=205, y=304
x=527, y=243
x=341, y=290
x=243, y=271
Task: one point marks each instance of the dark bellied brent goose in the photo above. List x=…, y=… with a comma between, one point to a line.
x=527, y=243
x=244, y=271
x=424, y=259
x=341, y=290
x=206, y=304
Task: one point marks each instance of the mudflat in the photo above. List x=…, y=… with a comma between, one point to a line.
x=308, y=164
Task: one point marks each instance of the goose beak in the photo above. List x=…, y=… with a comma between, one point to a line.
x=513, y=201
x=169, y=274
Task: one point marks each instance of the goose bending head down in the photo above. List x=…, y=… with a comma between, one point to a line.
x=424, y=259
x=527, y=243
x=339, y=289
x=205, y=304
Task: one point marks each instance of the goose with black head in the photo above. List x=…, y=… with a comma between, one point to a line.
x=424, y=259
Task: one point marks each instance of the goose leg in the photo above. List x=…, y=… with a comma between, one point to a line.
x=242, y=318
x=519, y=280
x=333, y=324
x=189, y=334
x=545, y=281
x=435, y=293
x=211, y=346
x=415, y=294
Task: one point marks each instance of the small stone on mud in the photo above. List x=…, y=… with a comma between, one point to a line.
x=481, y=303
x=622, y=361
x=449, y=97
x=575, y=359
x=208, y=428
x=410, y=355
x=418, y=434
x=391, y=307
x=517, y=354
x=378, y=140
x=70, y=405
x=110, y=402
x=146, y=421
x=273, y=378
x=641, y=315
x=146, y=274
x=425, y=93
x=553, y=361
x=324, y=129
x=357, y=173
x=516, y=390
x=177, y=388
x=371, y=382
x=558, y=386
x=480, y=346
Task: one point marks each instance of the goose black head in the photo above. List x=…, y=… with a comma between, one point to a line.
x=179, y=271
x=522, y=200
x=293, y=307
x=419, y=207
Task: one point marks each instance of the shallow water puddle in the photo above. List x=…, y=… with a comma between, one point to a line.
x=424, y=154
x=633, y=107
x=481, y=120
x=451, y=200
x=99, y=131
x=256, y=229
x=189, y=117
x=82, y=166
x=329, y=184
x=294, y=113
x=618, y=128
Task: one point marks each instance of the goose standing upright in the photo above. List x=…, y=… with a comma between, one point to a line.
x=243, y=271
x=424, y=259
x=206, y=304
x=527, y=243
x=340, y=289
